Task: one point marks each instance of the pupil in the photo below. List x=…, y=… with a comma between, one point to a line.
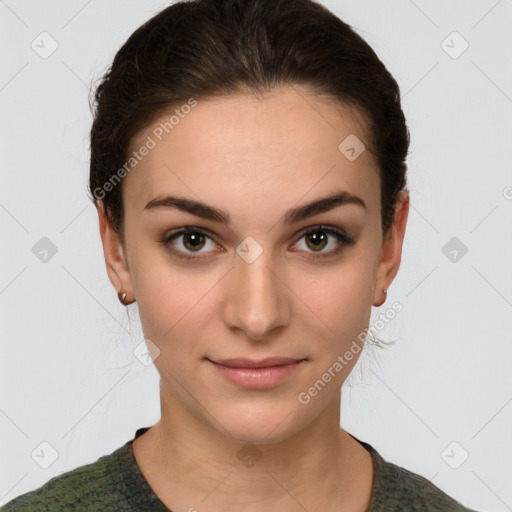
x=193, y=239
x=317, y=240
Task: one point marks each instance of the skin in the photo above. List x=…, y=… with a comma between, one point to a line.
x=254, y=157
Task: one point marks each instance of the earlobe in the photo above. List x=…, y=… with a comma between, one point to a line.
x=391, y=252
x=115, y=259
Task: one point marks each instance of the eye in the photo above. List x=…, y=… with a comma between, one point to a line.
x=187, y=242
x=316, y=239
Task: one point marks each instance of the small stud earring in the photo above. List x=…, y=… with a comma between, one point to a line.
x=385, y=296
x=122, y=299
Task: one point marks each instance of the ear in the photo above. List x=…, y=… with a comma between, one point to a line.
x=391, y=252
x=115, y=258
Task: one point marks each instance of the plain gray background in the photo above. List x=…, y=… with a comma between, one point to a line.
x=68, y=374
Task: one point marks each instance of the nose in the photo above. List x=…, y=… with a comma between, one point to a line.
x=257, y=302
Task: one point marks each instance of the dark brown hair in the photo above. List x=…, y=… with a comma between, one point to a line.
x=204, y=48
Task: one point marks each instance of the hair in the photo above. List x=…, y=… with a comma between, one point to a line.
x=212, y=48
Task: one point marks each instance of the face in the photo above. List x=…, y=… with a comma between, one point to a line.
x=255, y=275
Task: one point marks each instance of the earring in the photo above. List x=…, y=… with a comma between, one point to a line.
x=122, y=299
x=385, y=297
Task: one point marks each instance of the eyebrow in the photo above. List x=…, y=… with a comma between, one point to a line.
x=205, y=211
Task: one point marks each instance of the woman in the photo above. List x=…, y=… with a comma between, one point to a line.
x=248, y=166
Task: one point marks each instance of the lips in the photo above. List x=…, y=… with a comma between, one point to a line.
x=257, y=374
x=262, y=363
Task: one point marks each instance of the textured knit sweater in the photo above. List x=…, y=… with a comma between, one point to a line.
x=114, y=483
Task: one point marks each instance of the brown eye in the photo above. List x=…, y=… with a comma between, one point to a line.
x=317, y=241
x=184, y=243
x=320, y=237
x=193, y=241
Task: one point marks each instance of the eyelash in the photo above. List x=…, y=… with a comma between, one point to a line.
x=342, y=240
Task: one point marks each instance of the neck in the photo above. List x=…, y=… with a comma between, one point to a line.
x=188, y=462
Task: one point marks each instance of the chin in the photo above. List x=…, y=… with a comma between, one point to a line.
x=260, y=424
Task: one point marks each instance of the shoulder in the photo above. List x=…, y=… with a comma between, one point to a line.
x=408, y=489
x=89, y=487
x=397, y=489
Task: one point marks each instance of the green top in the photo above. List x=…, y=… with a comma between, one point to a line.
x=114, y=483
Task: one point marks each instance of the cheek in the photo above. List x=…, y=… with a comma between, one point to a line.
x=336, y=302
x=175, y=304
x=334, y=327
x=171, y=302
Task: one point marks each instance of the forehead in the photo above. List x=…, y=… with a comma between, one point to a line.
x=288, y=143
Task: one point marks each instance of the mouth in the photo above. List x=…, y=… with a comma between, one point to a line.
x=262, y=363
x=257, y=374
